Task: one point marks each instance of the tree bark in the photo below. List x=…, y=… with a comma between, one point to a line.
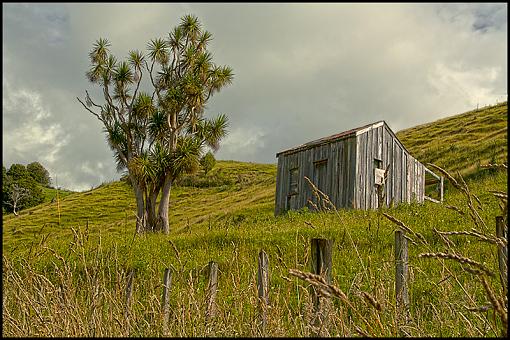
x=152, y=217
x=141, y=217
x=164, y=204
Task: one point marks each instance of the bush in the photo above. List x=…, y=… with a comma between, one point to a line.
x=207, y=162
x=18, y=176
x=39, y=173
x=196, y=181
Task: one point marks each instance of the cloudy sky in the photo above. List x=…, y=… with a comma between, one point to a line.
x=302, y=71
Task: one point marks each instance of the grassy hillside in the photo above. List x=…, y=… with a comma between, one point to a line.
x=50, y=194
x=69, y=278
x=237, y=188
x=462, y=142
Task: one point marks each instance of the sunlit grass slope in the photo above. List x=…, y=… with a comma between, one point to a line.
x=50, y=194
x=233, y=189
x=92, y=264
x=237, y=188
x=227, y=217
x=462, y=142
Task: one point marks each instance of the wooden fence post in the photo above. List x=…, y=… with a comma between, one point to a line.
x=263, y=288
x=167, y=284
x=401, y=275
x=129, y=295
x=322, y=259
x=501, y=232
x=212, y=287
x=129, y=288
x=322, y=263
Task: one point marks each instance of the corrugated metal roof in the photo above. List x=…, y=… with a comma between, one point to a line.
x=329, y=139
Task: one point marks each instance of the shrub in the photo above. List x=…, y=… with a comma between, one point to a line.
x=207, y=162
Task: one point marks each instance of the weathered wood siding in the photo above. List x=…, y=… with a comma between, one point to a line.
x=406, y=176
x=348, y=178
x=337, y=182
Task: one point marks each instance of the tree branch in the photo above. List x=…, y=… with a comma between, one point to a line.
x=95, y=114
x=156, y=88
x=136, y=90
x=91, y=101
x=186, y=120
x=106, y=93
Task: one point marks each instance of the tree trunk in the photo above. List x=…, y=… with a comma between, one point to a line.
x=152, y=217
x=163, y=206
x=141, y=217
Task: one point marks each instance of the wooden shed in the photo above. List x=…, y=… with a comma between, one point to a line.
x=354, y=168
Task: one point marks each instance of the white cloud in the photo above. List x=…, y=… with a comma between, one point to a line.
x=242, y=143
x=30, y=131
x=472, y=86
x=68, y=180
x=302, y=71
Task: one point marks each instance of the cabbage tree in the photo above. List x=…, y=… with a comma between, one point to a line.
x=160, y=133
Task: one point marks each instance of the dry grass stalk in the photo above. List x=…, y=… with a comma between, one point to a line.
x=320, y=283
x=405, y=228
x=500, y=194
x=444, y=238
x=474, y=271
x=496, y=303
x=492, y=239
x=447, y=175
x=313, y=205
x=328, y=290
x=479, y=309
x=372, y=300
x=322, y=198
x=468, y=192
x=495, y=165
x=410, y=240
x=460, y=259
x=475, y=216
x=465, y=190
x=455, y=209
x=503, y=203
x=279, y=257
x=361, y=332
x=177, y=254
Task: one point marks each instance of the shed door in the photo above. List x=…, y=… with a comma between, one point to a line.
x=320, y=177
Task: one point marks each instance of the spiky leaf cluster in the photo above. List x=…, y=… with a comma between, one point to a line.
x=163, y=133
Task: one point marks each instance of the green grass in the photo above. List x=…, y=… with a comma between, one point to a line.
x=69, y=278
x=234, y=239
x=50, y=194
x=111, y=207
x=462, y=142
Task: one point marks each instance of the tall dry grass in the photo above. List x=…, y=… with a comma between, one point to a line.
x=82, y=290
x=497, y=299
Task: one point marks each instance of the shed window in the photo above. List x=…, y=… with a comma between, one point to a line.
x=294, y=175
x=377, y=163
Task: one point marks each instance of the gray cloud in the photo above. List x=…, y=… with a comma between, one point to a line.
x=303, y=71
